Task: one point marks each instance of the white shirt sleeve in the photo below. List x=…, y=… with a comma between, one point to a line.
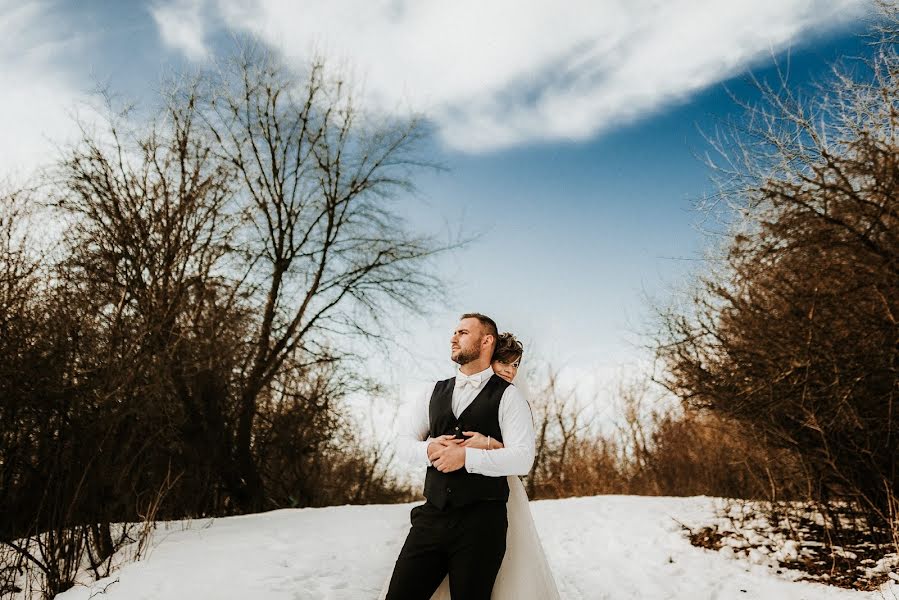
x=517, y=427
x=412, y=441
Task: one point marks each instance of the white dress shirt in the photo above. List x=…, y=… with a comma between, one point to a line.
x=515, y=423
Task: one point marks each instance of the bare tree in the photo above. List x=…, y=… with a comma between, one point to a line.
x=561, y=427
x=326, y=252
x=794, y=333
x=19, y=281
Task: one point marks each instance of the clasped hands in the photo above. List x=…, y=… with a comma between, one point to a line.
x=447, y=452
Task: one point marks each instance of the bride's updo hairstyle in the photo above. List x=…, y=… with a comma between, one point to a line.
x=508, y=349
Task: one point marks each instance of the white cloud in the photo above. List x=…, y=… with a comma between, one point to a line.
x=506, y=72
x=182, y=26
x=38, y=98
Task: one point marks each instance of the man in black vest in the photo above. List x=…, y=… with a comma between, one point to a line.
x=461, y=529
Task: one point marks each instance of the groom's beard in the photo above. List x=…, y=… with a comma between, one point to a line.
x=464, y=357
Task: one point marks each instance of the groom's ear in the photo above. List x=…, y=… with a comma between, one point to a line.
x=490, y=340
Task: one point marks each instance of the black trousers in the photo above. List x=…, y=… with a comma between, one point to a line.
x=468, y=542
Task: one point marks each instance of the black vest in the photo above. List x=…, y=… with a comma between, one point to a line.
x=482, y=415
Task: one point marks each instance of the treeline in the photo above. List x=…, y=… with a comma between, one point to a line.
x=179, y=297
x=648, y=446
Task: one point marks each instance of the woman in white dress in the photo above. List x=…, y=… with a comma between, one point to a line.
x=525, y=572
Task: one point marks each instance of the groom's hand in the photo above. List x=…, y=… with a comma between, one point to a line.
x=450, y=458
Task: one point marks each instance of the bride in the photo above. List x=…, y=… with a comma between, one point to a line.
x=525, y=572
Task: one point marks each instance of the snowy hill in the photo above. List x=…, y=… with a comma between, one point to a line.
x=601, y=548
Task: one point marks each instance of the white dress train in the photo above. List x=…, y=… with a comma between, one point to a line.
x=524, y=573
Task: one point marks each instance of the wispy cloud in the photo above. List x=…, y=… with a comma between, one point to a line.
x=502, y=73
x=182, y=26
x=39, y=98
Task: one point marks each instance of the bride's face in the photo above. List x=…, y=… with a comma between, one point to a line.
x=507, y=371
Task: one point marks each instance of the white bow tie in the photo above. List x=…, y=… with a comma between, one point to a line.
x=472, y=380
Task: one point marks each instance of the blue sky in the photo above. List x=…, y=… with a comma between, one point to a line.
x=570, y=134
x=582, y=237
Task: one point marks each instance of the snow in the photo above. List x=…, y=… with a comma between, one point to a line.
x=600, y=548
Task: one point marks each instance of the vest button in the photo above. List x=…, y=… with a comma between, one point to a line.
x=458, y=429
x=449, y=490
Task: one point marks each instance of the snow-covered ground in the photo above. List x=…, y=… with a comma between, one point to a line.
x=600, y=548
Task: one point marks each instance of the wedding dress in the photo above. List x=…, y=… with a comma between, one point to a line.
x=525, y=572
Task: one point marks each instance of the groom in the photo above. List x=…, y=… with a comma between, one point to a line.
x=461, y=528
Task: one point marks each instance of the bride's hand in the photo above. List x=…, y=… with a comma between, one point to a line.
x=479, y=441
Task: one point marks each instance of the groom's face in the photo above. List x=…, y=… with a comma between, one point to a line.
x=465, y=345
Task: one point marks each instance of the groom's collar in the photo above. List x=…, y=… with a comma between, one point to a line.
x=482, y=376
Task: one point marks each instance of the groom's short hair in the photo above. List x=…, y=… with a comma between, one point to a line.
x=488, y=323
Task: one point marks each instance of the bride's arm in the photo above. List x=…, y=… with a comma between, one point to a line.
x=518, y=435
x=481, y=442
